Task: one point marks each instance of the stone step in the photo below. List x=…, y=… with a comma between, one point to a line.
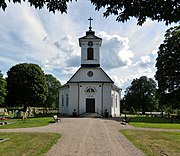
x=91, y=115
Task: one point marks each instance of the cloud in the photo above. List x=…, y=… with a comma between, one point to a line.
x=147, y=61
x=115, y=51
x=65, y=59
x=66, y=45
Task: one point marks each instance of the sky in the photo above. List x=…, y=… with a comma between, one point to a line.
x=50, y=40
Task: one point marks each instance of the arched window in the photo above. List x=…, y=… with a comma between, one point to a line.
x=90, y=90
x=67, y=100
x=90, y=54
x=116, y=100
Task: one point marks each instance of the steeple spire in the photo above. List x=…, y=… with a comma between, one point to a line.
x=90, y=27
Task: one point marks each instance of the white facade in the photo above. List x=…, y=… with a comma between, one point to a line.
x=90, y=89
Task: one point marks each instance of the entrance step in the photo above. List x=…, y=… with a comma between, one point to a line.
x=91, y=115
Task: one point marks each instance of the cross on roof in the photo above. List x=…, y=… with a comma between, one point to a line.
x=90, y=19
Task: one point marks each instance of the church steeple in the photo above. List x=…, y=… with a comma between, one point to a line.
x=90, y=47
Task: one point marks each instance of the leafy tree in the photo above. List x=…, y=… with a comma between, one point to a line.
x=53, y=94
x=141, y=95
x=168, y=69
x=26, y=86
x=2, y=89
x=168, y=11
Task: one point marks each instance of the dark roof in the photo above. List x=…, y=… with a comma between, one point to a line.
x=116, y=88
x=90, y=33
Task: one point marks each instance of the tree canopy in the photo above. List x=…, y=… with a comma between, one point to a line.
x=168, y=68
x=2, y=89
x=159, y=10
x=26, y=85
x=141, y=95
x=53, y=94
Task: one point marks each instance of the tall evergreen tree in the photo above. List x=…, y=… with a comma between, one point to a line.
x=26, y=85
x=168, y=69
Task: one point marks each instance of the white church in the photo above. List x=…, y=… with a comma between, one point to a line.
x=90, y=89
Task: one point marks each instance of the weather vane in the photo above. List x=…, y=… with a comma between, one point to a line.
x=90, y=19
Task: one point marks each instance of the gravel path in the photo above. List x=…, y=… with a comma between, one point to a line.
x=88, y=137
x=92, y=137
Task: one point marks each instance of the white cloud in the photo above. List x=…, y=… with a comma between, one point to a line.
x=115, y=51
x=145, y=59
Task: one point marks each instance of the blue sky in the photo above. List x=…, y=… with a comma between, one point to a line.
x=51, y=40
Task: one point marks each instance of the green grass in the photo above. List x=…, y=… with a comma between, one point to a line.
x=29, y=144
x=152, y=122
x=30, y=122
x=154, y=143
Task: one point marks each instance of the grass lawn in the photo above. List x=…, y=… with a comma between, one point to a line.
x=155, y=143
x=152, y=122
x=29, y=144
x=30, y=122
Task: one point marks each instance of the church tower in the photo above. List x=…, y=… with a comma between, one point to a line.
x=90, y=48
x=90, y=89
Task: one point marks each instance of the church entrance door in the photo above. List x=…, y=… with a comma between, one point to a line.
x=90, y=105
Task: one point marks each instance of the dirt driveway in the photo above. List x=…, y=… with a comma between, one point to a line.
x=87, y=137
x=92, y=137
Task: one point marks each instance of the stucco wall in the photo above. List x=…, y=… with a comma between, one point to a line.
x=98, y=75
x=115, y=109
x=96, y=59
x=73, y=98
x=107, y=100
x=96, y=95
x=63, y=108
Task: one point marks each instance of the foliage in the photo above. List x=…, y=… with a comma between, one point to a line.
x=141, y=95
x=29, y=144
x=26, y=85
x=168, y=11
x=53, y=94
x=3, y=91
x=168, y=69
x=132, y=111
x=51, y=5
x=154, y=143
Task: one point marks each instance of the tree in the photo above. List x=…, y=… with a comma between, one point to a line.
x=2, y=89
x=26, y=86
x=53, y=94
x=141, y=95
x=51, y=5
x=168, y=11
x=168, y=69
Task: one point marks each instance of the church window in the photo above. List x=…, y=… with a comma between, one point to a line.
x=90, y=73
x=116, y=101
x=90, y=90
x=67, y=100
x=62, y=100
x=90, y=54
